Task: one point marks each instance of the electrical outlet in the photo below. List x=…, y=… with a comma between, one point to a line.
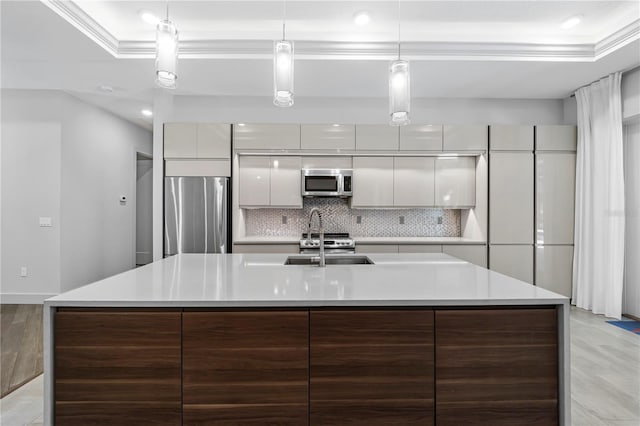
x=284, y=220
x=358, y=220
x=401, y=220
x=439, y=220
x=23, y=271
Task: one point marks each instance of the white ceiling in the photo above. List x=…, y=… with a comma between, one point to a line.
x=472, y=49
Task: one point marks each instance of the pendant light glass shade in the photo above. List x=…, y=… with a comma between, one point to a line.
x=399, y=96
x=166, y=54
x=283, y=73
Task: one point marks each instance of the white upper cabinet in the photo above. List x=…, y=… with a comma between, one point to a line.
x=465, y=138
x=197, y=140
x=376, y=137
x=254, y=181
x=455, y=182
x=180, y=140
x=328, y=136
x=269, y=181
x=285, y=182
x=556, y=138
x=266, y=136
x=555, y=196
x=413, y=181
x=511, y=198
x=511, y=138
x=421, y=137
x=372, y=182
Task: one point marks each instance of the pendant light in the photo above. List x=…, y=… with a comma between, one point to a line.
x=166, y=53
x=399, y=85
x=283, y=68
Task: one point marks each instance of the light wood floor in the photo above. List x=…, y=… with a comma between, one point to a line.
x=605, y=378
x=21, y=343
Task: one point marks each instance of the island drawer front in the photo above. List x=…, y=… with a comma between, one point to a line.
x=497, y=366
x=371, y=367
x=245, y=367
x=117, y=367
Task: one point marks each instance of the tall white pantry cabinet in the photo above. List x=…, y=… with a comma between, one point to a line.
x=532, y=191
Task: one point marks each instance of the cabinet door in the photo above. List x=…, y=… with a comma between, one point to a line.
x=180, y=140
x=117, y=367
x=372, y=182
x=497, y=367
x=413, y=181
x=421, y=137
x=455, y=182
x=285, y=182
x=513, y=260
x=254, y=181
x=476, y=254
x=465, y=138
x=371, y=367
x=266, y=136
x=554, y=268
x=245, y=367
x=511, y=198
x=214, y=141
x=328, y=136
x=511, y=138
x=555, y=197
x=376, y=137
x=556, y=138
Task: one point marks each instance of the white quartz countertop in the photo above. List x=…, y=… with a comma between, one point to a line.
x=253, y=280
x=366, y=240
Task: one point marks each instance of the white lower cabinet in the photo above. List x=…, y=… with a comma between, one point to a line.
x=554, y=268
x=376, y=248
x=372, y=182
x=413, y=181
x=513, y=260
x=420, y=248
x=476, y=254
x=269, y=181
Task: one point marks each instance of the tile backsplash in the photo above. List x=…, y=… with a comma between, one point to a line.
x=338, y=217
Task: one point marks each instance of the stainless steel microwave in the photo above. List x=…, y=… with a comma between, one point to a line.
x=326, y=183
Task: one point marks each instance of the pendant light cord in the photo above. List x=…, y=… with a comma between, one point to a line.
x=398, y=29
x=284, y=18
x=167, y=10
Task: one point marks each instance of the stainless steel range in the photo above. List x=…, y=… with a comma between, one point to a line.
x=337, y=242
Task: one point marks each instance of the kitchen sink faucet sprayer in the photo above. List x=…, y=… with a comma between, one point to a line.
x=320, y=232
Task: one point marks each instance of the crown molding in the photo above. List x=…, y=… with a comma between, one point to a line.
x=77, y=17
x=332, y=50
x=620, y=38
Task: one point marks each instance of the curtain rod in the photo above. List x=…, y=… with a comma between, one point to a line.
x=635, y=67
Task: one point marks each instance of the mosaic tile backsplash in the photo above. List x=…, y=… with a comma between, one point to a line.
x=338, y=217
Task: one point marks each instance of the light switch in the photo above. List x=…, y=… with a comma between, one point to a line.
x=46, y=222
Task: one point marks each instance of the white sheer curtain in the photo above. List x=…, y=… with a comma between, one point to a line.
x=598, y=264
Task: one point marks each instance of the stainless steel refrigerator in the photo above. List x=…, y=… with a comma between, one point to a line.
x=196, y=211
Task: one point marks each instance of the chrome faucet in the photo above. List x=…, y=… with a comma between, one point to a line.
x=320, y=231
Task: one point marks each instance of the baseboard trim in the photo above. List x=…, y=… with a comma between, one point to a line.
x=24, y=298
x=633, y=317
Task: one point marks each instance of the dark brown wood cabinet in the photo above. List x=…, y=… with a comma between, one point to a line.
x=497, y=366
x=371, y=367
x=242, y=368
x=115, y=367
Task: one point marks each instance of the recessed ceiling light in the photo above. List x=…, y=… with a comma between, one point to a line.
x=336, y=125
x=361, y=18
x=147, y=112
x=148, y=17
x=241, y=124
x=571, y=22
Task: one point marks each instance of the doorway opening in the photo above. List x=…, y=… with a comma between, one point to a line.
x=144, y=209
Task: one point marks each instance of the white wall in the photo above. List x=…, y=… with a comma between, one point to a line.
x=96, y=163
x=30, y=190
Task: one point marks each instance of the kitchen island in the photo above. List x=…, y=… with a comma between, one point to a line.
x=245, y=339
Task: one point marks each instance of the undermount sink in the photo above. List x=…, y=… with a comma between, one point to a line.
x=329, y=260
